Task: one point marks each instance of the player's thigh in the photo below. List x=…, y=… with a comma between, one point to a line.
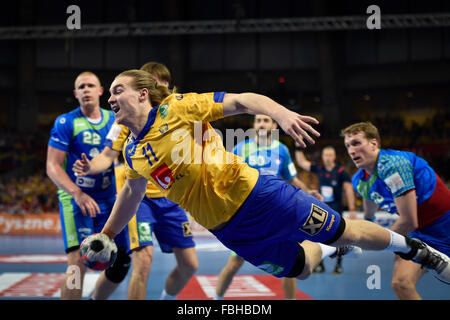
x=142, y=258
x=186, y=257
x=172, y=229
x=280, y=259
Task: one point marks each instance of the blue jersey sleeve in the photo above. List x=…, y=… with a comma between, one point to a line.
x=288, y=170
x=397, y=172
x=237, y=149
x=61, y=133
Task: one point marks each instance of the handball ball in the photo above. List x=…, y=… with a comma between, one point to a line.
x=98, y=251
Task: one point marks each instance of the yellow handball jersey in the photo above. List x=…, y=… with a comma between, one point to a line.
x=117, y=144
x=184, y=157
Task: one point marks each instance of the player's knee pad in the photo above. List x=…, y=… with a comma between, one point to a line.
x=118, y=271
x=299, y=264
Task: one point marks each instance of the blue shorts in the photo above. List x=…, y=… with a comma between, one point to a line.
x=76, y=227
x=166, y=220
x=273, y=220
x=437, y=234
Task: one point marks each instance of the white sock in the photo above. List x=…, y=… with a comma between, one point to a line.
x=398, y=243
x=166, y=296
x=326, y=250
x=216, y=297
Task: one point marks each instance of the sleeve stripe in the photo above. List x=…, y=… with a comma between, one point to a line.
x=218, y=97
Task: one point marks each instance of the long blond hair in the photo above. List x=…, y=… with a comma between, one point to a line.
x=142, y=79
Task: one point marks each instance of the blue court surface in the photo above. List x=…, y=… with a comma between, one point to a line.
x=32, y=267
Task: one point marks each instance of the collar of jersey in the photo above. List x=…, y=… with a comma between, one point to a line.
x=148, y=125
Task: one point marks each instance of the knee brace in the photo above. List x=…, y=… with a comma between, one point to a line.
x=118, y=271
x=299, y=264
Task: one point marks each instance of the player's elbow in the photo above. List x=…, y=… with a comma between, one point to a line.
x=50, y=169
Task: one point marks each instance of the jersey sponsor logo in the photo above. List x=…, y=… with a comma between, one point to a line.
x=271, y=268
x=163, y=176
x=187, y=232
x=179, y=97
x=145, y=231
x=315, y=221
x=94, y=152
x=331, y=222
x=395, y=182
x=163, y=110
x=85, y=182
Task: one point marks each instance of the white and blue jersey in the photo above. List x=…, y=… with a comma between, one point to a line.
x=273, y=159
x=75, y=134
x=398, y=172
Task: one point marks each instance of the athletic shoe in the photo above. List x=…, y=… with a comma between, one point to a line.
x=348, y=251
x=338, y=268
x=320, y=268
x=431, y=259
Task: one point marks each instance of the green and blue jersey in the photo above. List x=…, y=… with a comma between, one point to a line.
x=273, y=159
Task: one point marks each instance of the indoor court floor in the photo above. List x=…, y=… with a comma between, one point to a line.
x=32, y=267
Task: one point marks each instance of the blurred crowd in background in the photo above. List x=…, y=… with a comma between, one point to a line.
x=25, y=187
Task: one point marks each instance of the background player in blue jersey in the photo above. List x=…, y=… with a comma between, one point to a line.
x=270, y=157
x=332, y=179
x=85, y=202
x=400, y=182
x=156, y=215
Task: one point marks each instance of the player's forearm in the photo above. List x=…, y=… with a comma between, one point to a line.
x=302, y=161
x=59, y=177
x=100, y=163
x=369, y=208
x=407, y=210
x=403, y=226
x=124, y=209
x=299, y=183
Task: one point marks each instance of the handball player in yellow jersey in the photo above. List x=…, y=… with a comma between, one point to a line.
x=155, y=216
x=274, y=225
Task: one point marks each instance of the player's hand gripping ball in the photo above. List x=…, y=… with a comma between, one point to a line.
x=98, y=251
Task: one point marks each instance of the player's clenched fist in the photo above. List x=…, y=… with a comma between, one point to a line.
x=81, y=167
x=98, y=251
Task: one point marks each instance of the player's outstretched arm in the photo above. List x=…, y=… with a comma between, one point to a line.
x=125, y=206
x=294, y=124
x=98, y=164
